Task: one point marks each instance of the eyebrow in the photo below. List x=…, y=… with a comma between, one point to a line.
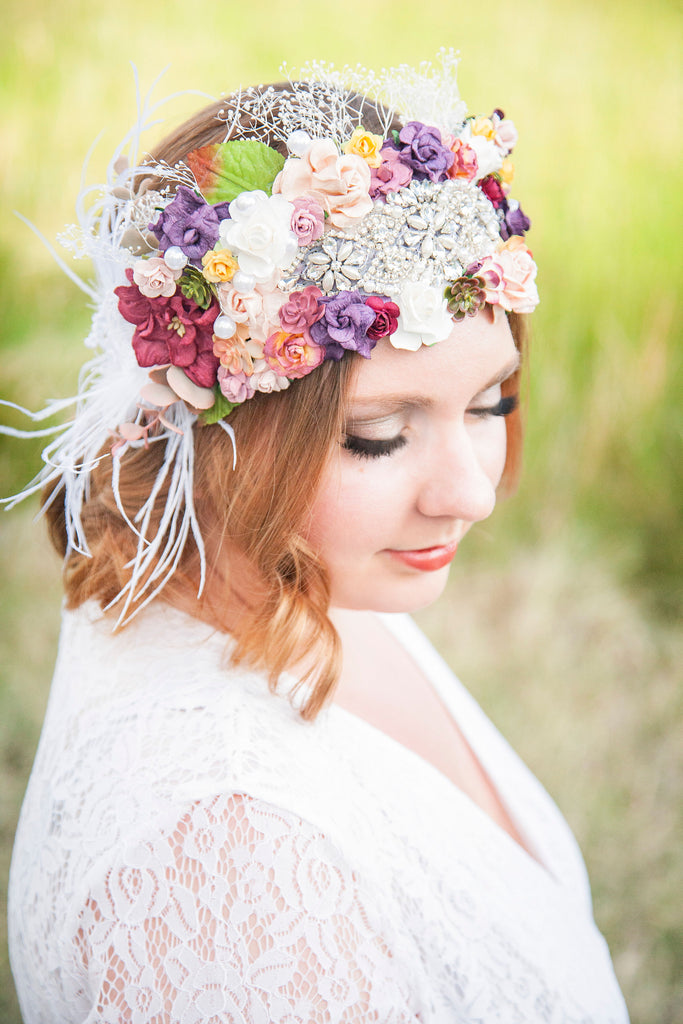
x=504, y=373
x=390, y=404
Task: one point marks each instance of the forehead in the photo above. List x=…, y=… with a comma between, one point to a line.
x=479, y=352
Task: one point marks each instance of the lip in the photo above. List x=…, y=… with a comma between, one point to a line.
x=426, y=559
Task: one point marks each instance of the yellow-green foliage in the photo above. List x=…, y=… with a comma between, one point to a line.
x=594, y=89
x=554, y=581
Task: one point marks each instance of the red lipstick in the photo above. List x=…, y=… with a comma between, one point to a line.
x=426, y=559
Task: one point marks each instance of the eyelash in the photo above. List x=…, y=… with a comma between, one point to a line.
x=365, y=448
x=503, y=407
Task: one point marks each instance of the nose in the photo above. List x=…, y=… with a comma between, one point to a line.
x=455, y=482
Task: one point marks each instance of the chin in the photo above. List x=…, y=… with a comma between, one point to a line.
x=410, y=594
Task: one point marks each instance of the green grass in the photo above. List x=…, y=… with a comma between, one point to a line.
x=561, y=613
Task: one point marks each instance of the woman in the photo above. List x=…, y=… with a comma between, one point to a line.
x=258, y=797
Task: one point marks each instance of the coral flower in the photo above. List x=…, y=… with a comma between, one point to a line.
x=292, y=355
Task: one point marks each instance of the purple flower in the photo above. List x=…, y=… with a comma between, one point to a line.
x=421, y=148
x=190, y=223
x=344, y=325
x=171, y=330
x=514, y=222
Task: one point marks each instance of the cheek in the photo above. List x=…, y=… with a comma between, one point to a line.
x=492, y=450
x=352, y=510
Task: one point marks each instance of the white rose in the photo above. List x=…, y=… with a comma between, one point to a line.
x=489, y=156
x=259, y=233
x=266, y=380
x=424, y=318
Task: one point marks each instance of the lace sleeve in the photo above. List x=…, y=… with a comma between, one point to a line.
x=241, y=912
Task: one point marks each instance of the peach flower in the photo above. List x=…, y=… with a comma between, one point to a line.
x=341, y=184
x=514, y=244
x=237, y=354
x=465, y=163
x=293, y=355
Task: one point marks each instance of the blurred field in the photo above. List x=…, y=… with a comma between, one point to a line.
x=562, y=613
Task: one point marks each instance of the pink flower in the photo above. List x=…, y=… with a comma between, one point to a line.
x=292, y=355
x=386, y=316
x=308, y=220
x=154, y=277
x=391, y=175
x=258, y=308
x=236, y=387
x=301, y=310
x=510, y=279
x=341, y=184
x=506, y=135
x=465, y=162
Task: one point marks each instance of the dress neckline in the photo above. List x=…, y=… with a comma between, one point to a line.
x=464, y=713
x=457, y=702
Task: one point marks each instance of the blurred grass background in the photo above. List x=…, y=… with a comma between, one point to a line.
x=562, y=611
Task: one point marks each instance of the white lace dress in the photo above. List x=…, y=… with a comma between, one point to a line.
x=191, y=851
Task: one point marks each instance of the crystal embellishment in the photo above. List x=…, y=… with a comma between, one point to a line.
x=428, y=231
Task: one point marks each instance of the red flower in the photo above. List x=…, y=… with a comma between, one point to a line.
x=171, y=330
x=492, y=189
x=386, y=317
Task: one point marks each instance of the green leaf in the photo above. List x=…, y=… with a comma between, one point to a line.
x=221, y=408
x=226, y=169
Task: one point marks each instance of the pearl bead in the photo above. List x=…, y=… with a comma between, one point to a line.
x=245, y=202
x=224, y=326
x=298, y=142
x=243, y=282
x=175, y=258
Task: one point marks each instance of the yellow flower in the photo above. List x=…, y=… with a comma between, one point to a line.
x=365, y=145
x=219, y=265
x=483, y=126
x=507, y=171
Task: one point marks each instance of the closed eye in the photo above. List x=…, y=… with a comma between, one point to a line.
x=364, y=448
x=503, y=407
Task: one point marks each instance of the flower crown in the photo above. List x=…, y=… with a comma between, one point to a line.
x=240, y=270
x=264, y=266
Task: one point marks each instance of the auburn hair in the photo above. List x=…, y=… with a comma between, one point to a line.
x=251, y=517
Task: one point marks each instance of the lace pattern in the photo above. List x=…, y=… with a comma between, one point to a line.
x=191, y=850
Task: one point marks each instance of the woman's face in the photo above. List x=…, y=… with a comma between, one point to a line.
x=420, y=461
